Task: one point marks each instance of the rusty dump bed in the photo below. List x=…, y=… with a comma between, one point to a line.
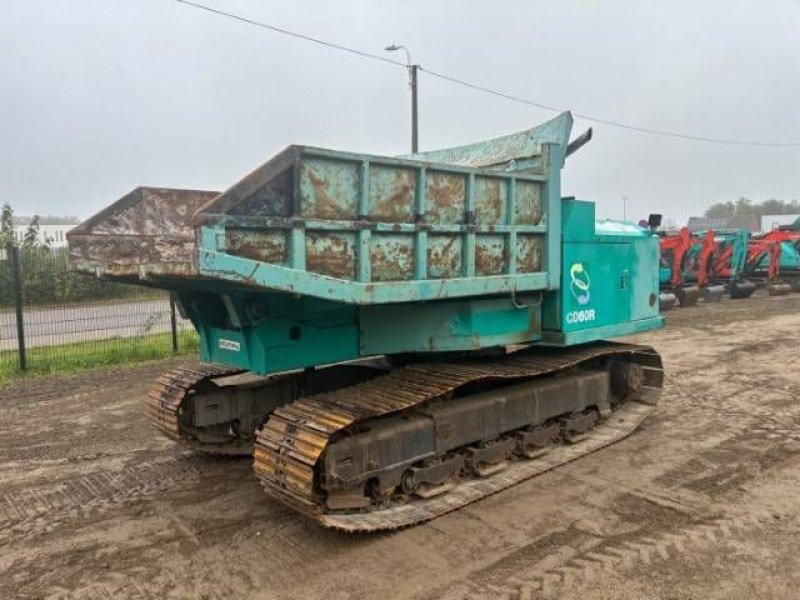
x=354, y=228
x=146, y=231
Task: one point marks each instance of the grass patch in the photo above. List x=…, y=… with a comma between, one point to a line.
x=78, y=356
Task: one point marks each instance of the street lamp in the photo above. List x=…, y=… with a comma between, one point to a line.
x=412, y=82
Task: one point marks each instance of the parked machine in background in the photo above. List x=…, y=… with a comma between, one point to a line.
x=728, y=262
x=393, y=338
x=764, y=259
x=746, y=263
x=674, y=248
x=788, y=237
x=700, y=268
x=685, y=273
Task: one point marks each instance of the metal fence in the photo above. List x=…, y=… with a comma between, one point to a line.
x=52, y=318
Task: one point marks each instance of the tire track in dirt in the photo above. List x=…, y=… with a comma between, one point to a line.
x=120, y=571
x=42, y=508
x=576, y=557
x=591, y=566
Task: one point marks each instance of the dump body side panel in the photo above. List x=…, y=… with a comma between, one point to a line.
x=147, y=231
x=364, y=229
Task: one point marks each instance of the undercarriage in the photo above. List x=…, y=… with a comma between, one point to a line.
x=371, y=446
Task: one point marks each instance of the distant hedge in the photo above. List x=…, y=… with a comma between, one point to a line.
x=46, y=279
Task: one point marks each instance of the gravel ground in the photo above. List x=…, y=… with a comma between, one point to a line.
x=701, y=502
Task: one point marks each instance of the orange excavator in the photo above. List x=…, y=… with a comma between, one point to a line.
x=674, y=262
x=701, y=257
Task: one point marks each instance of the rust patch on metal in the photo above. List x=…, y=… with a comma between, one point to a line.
x=331, y=254
x=392, y=257
x=273, y=199
x=490, y=255
x=528, y=199
x=446, y=197
x=262, y=245
x=491, y=196
x=444, y=256
x=147, y=227
x=529, y=253
x=328, y=189
x=391, y=192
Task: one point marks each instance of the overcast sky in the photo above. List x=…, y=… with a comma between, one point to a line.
x=100, y=96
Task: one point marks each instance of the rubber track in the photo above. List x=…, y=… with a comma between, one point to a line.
x=293, y=440
x=164, y=399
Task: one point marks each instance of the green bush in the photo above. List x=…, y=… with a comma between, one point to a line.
x=47, y=280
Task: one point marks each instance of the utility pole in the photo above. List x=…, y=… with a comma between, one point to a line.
x=624, y=208
x=412, y=74
x=412, y=82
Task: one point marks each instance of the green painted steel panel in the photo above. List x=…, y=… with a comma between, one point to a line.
x=596, y=284
x=610, y=277
x=790, y=257
x=268, y=333
x=585, y=336
x=447, y=326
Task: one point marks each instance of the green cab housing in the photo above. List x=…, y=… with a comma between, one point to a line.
x=322, y=256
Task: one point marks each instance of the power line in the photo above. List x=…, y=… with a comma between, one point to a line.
x=293, y=34
x=661, y=132
x=486, y=90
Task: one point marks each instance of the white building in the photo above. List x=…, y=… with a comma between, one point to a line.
x=56, y=234
x=770, y=222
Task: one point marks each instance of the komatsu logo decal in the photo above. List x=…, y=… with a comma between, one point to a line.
x=229, y=345
x=580, y=283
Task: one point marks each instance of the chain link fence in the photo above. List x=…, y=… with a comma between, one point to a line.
x=54, y=320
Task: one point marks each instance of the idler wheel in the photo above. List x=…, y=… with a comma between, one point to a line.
x=627, y=379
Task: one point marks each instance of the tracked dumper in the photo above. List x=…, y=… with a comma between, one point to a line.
x=393, y=338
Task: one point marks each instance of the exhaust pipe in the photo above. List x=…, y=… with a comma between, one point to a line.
x=579, y=141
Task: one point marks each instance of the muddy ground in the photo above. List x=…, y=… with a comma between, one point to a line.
x=702, y=502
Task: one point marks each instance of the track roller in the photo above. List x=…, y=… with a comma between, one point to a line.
x=488, y=459
x=575, y=427
x=666, y=301
x=432, y=479
x=713, y=293
x=536, y=441
x=741, y=289
x=688, y=295
x=779, y=289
